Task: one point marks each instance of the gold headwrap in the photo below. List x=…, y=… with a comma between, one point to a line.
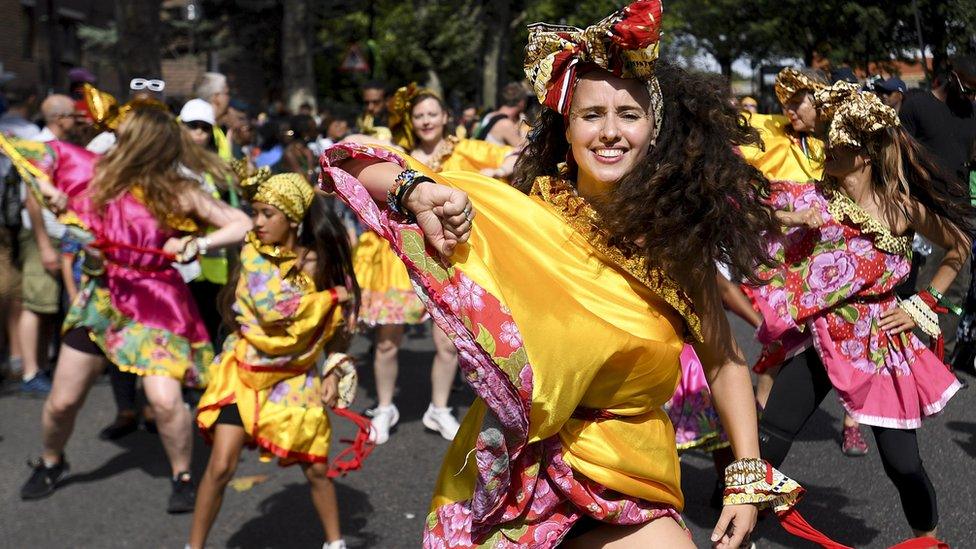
x=400, y=119
x=105, y=110
x=854, y=115
x=789, y=81
x=289, y=192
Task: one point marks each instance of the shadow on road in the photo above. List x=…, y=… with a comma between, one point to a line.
x=142, y=450
x=288, y=519
x=823, y=507
x=966, y=428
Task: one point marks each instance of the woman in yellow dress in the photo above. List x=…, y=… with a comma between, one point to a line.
x=562, y=296
x=418, y=123
x=294, y=293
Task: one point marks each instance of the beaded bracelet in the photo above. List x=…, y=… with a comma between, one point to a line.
x=952, y=307
x=404, y=182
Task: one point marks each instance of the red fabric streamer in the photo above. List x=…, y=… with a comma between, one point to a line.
x=937, y=345
x=921, y=543
x=352, y=457
x=794, y=523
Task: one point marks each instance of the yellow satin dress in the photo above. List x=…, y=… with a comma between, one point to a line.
x=268, y=367
x=388, y=297
x=596, y=337
x=784, y=158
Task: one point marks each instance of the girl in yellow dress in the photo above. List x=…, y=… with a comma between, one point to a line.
x=570, y=296
x=418, y=122
x=293, y=297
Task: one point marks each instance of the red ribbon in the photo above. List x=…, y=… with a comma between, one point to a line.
x=351, y=458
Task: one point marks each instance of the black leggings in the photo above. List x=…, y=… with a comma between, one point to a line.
x=800, y=387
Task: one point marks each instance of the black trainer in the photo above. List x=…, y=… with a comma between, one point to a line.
x=43, y=479
x=183, y=497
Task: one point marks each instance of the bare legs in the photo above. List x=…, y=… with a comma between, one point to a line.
x=385, y=366
x=444, y=368
x=73, y=377
x=663, y=532
x=324, y=498
x=34, y=331
x=172, y=419
x=227, y=443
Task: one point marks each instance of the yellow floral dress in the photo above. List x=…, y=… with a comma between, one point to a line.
x=387, y=294
x=268, y=367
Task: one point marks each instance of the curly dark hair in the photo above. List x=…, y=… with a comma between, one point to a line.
x=692, y=200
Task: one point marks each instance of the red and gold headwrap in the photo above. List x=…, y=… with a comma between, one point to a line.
x=624, y=44
x=854, y=115
x=105, y=110
x=400, y=119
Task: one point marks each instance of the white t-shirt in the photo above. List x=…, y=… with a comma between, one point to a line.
x=51, y=225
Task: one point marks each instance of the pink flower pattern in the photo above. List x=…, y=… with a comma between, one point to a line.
x=517, y=483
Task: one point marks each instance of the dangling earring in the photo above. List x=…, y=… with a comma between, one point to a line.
x=301, y=227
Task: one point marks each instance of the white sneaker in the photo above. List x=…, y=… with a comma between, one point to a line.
x=442, y=421
x=337, y=544
x=384, y=417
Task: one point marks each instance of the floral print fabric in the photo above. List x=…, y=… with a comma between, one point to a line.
x=834, y=283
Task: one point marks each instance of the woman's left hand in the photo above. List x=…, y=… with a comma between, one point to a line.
x=896, y=321
x=734, y=526
x=330, y=389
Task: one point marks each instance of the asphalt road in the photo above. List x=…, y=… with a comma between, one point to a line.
x=116, y=494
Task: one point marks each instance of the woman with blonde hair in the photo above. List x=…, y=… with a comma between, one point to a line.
x=135, y=309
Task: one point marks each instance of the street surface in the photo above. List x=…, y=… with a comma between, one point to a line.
x=117, y=491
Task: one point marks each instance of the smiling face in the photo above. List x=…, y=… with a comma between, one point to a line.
x=429, y=119
x=271, y=225
x=610, y=125
x=801, y=112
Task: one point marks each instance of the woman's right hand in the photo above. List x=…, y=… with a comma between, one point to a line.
x=443, y=213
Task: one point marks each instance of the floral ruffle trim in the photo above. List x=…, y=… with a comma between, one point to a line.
x=584, y=219
x=840, y=206
x=135, y=347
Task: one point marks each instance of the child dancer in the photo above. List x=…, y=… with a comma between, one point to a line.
x=295, y=297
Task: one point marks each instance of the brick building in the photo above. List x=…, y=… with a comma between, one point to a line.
x=41, y=43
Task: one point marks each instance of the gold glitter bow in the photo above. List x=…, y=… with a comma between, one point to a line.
x=853, y=114
x=289, y=192
x=105, y=110
x=789, y=81
x=400, y=119
x=626, y=44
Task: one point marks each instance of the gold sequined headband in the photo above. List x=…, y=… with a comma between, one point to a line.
x=854, y=115
x=289, y=192
x=790, y=81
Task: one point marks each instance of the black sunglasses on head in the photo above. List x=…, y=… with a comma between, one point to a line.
x=199, y=125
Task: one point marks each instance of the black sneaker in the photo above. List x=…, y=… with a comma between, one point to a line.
x=43, y=480
x=183, y=497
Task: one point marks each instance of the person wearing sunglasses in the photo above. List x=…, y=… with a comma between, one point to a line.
x=198, y=117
